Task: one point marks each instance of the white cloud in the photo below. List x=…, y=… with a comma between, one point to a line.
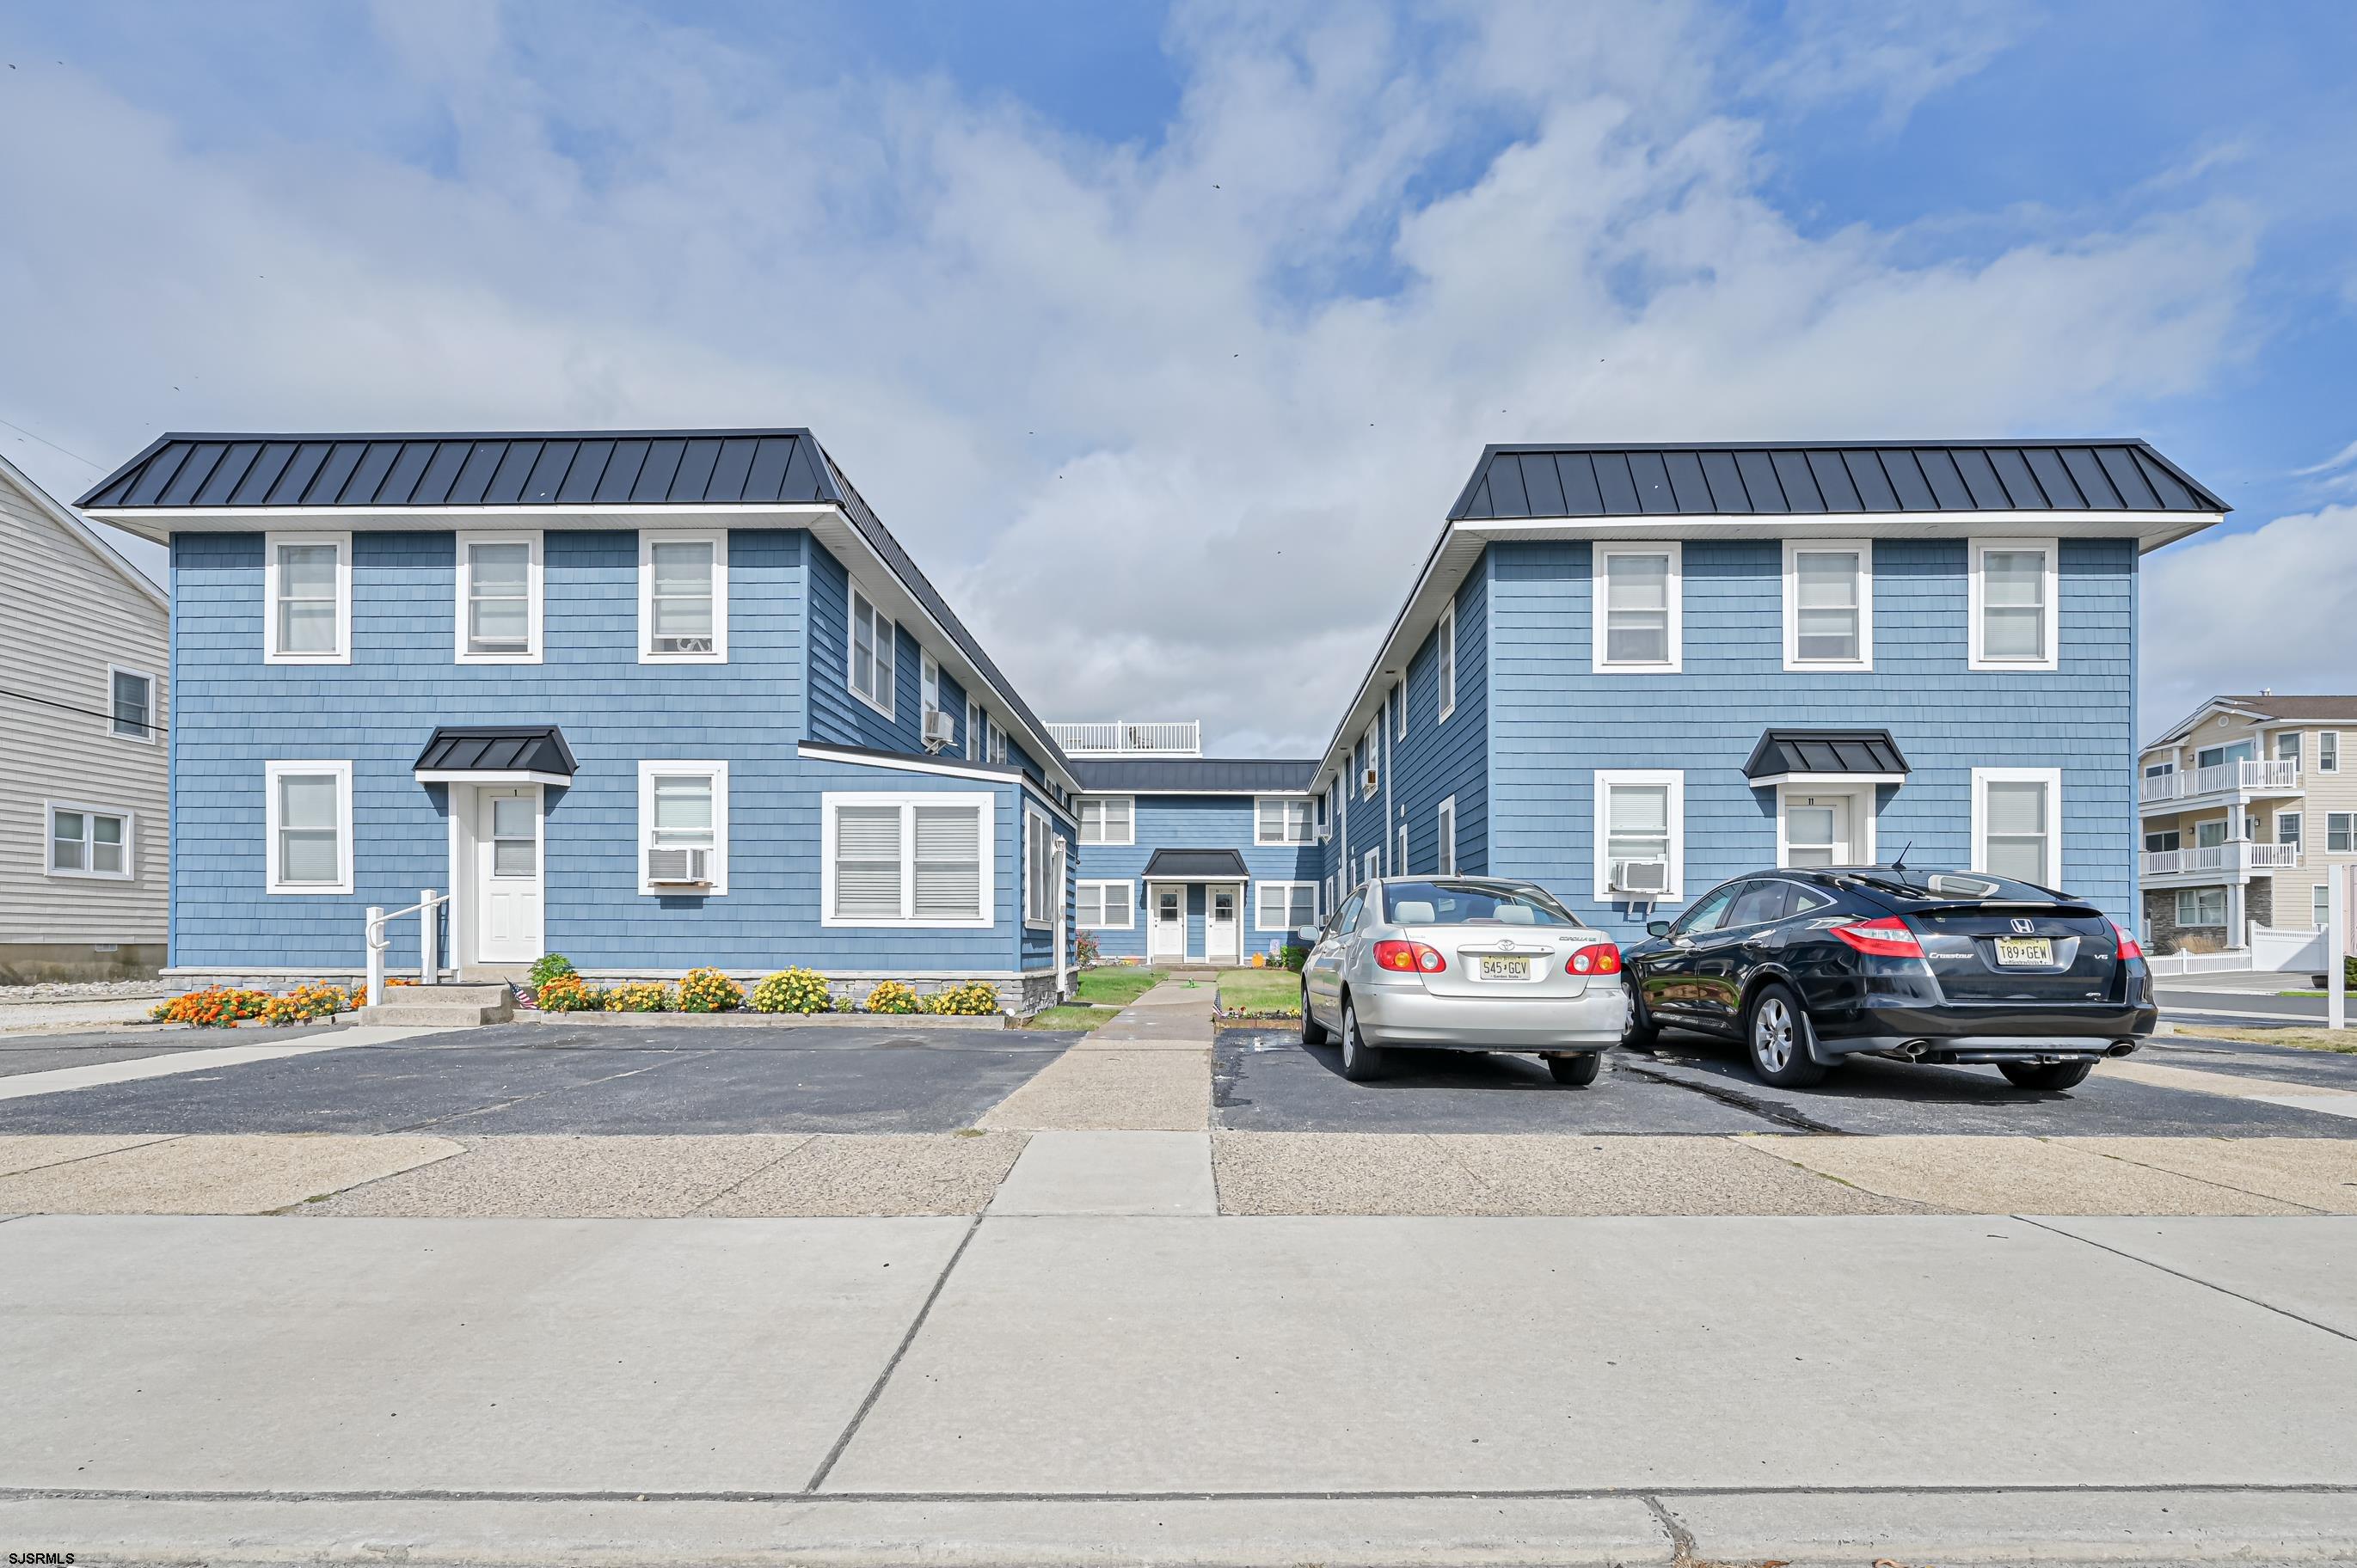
x=1172, y=425
x=2239, y=612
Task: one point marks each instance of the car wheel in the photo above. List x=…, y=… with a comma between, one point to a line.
x=1578, y=1071
x=1361, y=1061
x=1637, y=1031
x=2046, y=1075
x=1313, y=1033
x=1776, y=1034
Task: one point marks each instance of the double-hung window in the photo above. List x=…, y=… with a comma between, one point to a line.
x=1399, y=707
x=683, y=598
x=307, y=827
x=683, y=828
x=1828, y=605
x=2289, y=827
x=1637, y=609
x=1445, y=661
x=1106, y=905
x=2327, y=751
x=307, y=588
x=929, y=688
x=1277, y=821
x=997, y=741
x=2017, y=823
x=2340, y=831
x=1108, y=819
x=1371, y=771
x=871, y=650
x=90, y=841
x=1040, y=893
x=1283, y=906
x=1445, y=862
x=1640, y=835
x=2013, y=605
x=906, y=860
x=972, y=730
x=131, y=699
x=499, y=598
x=2288, y=748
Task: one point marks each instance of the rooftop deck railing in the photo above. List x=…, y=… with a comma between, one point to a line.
x=1122, y=737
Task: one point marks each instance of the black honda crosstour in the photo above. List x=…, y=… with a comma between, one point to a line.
x=1809, y=967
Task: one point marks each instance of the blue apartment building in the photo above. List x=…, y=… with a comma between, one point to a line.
x=669, y=698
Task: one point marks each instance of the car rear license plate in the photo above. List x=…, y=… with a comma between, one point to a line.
x=2025, y=949
x=1505, y=969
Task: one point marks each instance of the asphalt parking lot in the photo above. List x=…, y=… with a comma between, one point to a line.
x=543, y=1078
x=1268, y=1081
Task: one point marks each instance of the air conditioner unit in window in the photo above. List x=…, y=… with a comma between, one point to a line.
x=941, y=731
x=1367, y=780
x=680, y=867
x=1645, y=877
x=683, y=645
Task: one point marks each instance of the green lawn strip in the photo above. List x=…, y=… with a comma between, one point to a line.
x=1117, y=984
x=1069, y=1018
x=1276, y=990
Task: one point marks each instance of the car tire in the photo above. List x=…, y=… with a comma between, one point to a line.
x=1313, y=1033
x=1361, y=1061
x=1578, y=1072
x=1638, y=1032
x=1776, y=1037
x=2046, y=1075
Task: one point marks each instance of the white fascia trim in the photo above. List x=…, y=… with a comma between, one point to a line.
x=462, y=577
x=1229, y=794
x=2185, y=727
x=1598, y=609
x=492, y=776
x=1031, y=796
x=1830, y=780
x=1128, y=901
x=130, y=872
x=718, y=539
x=1976, y=594
x=345, y=828
x=1601, y=792
x=2151, y=530
x=1793, y=550
x=73, y=522
x=2050, y=776
x=995, y=773
x=983, y=802
x=343, y=654
x=155, y=703
x=718, y=772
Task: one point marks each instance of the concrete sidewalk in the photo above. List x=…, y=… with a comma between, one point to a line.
x=1148, y=1070
x=1038, y=1388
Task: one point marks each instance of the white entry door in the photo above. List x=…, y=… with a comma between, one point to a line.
x=1817, y=830
x=1170, y=929
x=507, y=874
x=1222, y=927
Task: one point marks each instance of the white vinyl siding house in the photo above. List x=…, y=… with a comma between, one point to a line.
x=85, y=699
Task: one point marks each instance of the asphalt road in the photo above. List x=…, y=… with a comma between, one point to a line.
x=541, y=1077
x=2190, y=1003
x=1268, y=1081
x=47, y=1053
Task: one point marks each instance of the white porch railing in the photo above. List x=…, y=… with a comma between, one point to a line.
x=2279, y=773
x=428, y=910
x=2235, y=859
x=1125, y=737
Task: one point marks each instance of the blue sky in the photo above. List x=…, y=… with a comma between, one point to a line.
x=1166, y=335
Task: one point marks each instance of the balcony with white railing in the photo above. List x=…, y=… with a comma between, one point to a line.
x=2278, y=776
x=2234, y=861
x=1123, y=737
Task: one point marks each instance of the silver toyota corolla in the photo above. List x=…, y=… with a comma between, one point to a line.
x=1461, y=963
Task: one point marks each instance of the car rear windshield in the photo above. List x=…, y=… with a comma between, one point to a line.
x=1471, y=904
x=1957, y=887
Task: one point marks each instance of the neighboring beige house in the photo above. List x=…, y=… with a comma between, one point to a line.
x=83, y=831
x=2245, y=805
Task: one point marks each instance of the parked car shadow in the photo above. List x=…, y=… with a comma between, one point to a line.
x=1861, y=1077
x=1407, y=1067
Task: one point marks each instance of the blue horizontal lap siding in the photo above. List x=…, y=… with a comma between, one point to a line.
x=1192, y=822
x=1437, y=761
x=1555, y=722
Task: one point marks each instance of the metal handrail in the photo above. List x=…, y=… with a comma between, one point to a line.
x=429, y=944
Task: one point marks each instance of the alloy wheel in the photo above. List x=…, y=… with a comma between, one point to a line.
x=1771, y=1034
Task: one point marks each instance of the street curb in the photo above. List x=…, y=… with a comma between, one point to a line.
x=769, y=1020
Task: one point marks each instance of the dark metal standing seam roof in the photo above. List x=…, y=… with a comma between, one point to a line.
x=1781, y=751
x=1144, y=775
x=1195, y=865
x=495, y=748
x=1823, y=478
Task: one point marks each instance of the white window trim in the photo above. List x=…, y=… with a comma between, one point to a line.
x=1259, y=904
x=2198, y=924
x=2050, y=776
x=1129, y=834
x=342, y=653
x=345, y=829
x=1605, y=780
x=928, y=685
x=1793, y=550
x=2300, y=832
x=1399, y=700
x=718, y=865
x=130, y=819
x=1373, y=744
x=718, y=539
x=2328, y=743
x=154, y=721
x=972, y=730
x=1129, y=922
x=1037, y=830
x=1444, y=671
x=1371, y=865
x=463, y=575
x=1861, y=806
x=997, y=741
x=1976, y=591
x=1599, y=608
x=1284, y=839
x=981, y=800
x=1444, y=827
x=854, y=593
x=1399, y=867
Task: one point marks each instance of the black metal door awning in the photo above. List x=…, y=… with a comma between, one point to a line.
x=496, y=753
x=1196, y=866
x=1825, y=756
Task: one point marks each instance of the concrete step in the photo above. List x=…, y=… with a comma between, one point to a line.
x=447, y=995
x=435, y=1015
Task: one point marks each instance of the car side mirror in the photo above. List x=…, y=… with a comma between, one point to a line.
x=1657, y=928
x=1308, y=935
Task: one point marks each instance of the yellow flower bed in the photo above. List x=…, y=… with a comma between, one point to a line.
x=889, y=996
x=794, y=991
x=215, y=1008
x=709, y=990
x=975, y=999
x=638, y=996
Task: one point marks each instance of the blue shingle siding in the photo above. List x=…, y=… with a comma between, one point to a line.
x=1555, y=722
x=236, y=713
x=1440, y=760
x=1192, y=822
x=838, y=717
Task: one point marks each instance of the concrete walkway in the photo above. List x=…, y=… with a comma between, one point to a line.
x=1148, y=1070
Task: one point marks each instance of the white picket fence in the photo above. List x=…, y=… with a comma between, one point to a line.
x=2270, y=953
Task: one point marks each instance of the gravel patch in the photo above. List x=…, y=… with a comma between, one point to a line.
x=855, y=1174
x=245, y=1174
x=84, y=991
x=1978, y=1174
x=537, y=1176
x=2318, y=1172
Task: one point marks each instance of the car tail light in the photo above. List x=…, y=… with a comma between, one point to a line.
x=1886, y=938
x=2129, y=946
x=1599, y=957
x=1407, y=958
